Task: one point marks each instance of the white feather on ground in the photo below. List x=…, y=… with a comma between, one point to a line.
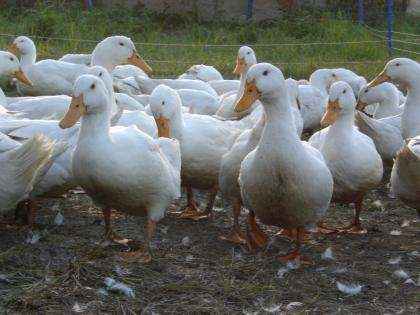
x=119, y=287
x=350, y=289
x=59, y=219
x=401, y=274
x=395, y=232
x=33, y=239
x=293, y=305
x=394, y=261
x=327, y=254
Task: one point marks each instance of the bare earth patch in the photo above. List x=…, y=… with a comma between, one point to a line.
x=192, y=271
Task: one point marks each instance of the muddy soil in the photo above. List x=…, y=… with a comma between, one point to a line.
x=193, y=272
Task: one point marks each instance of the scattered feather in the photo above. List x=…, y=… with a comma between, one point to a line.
x=405, y=223
x=186, y=241
x=292, y=266
x=33, y=239
x=414, y=253
x=293, y=305
x=281, y=272
x=119, y=287
x=395, y=232
x=272, y=309
x=409, y=281
x=401, y=274
x=327, y=254
x=59, y=219
x=55, y=207
x=189, y=258
x=77, y=308
x=387, y=282
x=351, y=289
x=378, y=204
x=394, y=261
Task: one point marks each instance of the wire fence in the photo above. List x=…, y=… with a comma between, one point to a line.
x=403, y=44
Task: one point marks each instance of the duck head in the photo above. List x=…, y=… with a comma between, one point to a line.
x=370, y=95
x=90, y=96
x=402, y=70
x=165, y=103
x=10, y=66
x=119, y=50
x=246, y=58
x=263, y=81
x=341, y=102
x=23, y=45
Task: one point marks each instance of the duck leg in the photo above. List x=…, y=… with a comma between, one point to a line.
x=355, y=226
x=191, y=208
x=207, y=212
x=236, y=236
x=110, y=234
x=142, y=255
x=255, y=236
x=322, y=228
x=294, y=256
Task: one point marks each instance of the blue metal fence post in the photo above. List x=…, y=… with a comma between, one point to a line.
x=361, y=17
x=249, y=9
x=390, y=28
x=89, y=4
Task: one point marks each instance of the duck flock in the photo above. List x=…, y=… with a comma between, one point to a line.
x=99, y=122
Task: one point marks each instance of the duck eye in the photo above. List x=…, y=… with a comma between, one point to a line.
x=333, y=75
x=100, y=74
x=265, y=72
x=92, y=86
x=397, y=64
x=11, y=58
x=121, y=44
x=163, y=102
x=22, y=40
x=344, y=92
x=367, y=90
x=248, y=52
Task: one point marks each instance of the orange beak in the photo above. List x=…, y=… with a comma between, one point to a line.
x=381, y=78
x=76, y=109
x=330, y=115
x=163, y=126
x=240, y=66
x=250, y=95
x=13, y=48
x=22, y=77
x=360, y=105
x=138, y=61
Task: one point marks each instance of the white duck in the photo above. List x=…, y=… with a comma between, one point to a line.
x=203, y=141
x=405, y=173
x=284, y=180
x=83, y=59
x=124, y=169
x=246, y=59
x=48, y=76
x=293, y=92
x=385, y=126
x=229, y=174
x=202, y=72
x=350, y=155
x=57, y=77
x=313, y=98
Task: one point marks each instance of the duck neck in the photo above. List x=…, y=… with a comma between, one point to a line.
x=3, y=100
x=388, y=106
x=95, y=126
x=28, y=58
x=279, y=127
x=99, y=59
x=176, y=126
x=410, y=126
x=342, y=127
x=242, y=79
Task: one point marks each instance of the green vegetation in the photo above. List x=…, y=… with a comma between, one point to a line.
x=49, y=19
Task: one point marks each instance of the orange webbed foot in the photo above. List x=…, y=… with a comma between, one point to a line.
x=236, y=236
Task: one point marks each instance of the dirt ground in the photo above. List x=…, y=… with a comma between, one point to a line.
x=193, y=272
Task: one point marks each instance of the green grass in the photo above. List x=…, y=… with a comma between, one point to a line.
x=47, y=18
